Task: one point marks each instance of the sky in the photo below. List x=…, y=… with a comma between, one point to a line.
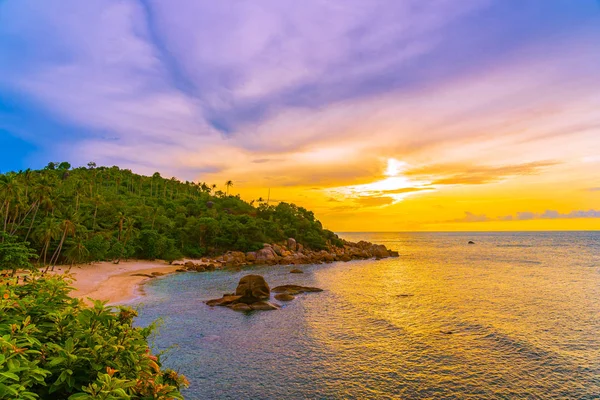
x=379, y=115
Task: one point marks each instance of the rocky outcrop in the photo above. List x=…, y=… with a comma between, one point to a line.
x=253, y=294
x=284, y=297
x=290, y=252
x=295, y=289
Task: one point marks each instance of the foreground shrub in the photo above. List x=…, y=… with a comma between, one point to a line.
x=54, y=347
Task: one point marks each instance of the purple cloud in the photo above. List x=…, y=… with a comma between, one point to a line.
x=184, y=86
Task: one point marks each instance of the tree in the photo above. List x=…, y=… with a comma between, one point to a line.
x=63, y=166
x=228, y=184
x=47, y=231
x=15, y=255
x=77, y=252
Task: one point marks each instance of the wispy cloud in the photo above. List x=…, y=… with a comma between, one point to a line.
x=528, y=215
x=456, y=174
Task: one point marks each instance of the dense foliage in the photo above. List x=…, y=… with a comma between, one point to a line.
x=100, y=213
x=54, y=347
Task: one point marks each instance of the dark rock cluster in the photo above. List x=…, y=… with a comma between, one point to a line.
x=253, y=294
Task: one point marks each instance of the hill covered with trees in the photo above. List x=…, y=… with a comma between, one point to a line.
x=107, y=213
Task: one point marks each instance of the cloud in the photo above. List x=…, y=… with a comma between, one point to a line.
x=594, y=189
x=457, y=174
x=321, y=90
x=470, y=217
x=371, y=201
x=528, y=216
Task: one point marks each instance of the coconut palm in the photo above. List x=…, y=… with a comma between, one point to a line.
x=77, y=252
x=228, y=184
x=45, y=233
x=68, y=226
x=9, y=190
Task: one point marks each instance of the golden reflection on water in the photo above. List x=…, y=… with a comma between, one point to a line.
x=483, y=320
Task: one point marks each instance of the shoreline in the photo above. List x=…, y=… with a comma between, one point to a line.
x=123, y=282
x=116, y=283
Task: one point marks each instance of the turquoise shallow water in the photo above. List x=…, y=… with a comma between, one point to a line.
x=523, y=309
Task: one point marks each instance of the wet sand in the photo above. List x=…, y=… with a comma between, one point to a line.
x=114, y=282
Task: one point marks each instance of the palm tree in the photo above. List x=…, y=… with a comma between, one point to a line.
x=68, y=227
x=77, y=252
x=228, y=184
x=96, y=202
x=122, y=219
x=213, y=186
x=9, y=189
x=47, y=231
x=41, y=199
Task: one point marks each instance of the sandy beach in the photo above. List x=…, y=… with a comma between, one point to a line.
x=115, y=283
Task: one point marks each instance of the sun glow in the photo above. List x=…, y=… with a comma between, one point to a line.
x=395, y=187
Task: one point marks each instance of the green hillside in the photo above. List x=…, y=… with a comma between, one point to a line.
x=107, y=213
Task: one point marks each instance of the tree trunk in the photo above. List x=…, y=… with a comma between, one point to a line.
x=58, y=249
x=32, y=221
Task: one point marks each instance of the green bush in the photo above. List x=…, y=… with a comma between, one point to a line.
x=52, y=346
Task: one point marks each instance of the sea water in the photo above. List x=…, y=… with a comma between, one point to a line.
x=515, y=315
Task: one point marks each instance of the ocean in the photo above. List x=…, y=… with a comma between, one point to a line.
x=515, y=315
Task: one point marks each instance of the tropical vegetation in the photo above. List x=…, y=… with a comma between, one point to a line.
x=52, y=346
x=94, y=213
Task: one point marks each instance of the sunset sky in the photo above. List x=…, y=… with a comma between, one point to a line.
x=377, y=115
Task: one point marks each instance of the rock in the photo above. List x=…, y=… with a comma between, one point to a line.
x=291, y=244
x=446, y=332
x=223, y=301
x=345, y=258
x=266, y=255
x=471, y=242
x=157, y=273
x=277, y=249
x=241, y=307
x=296, y=271
x=394, y=254
x=251, y=256
x=263, y=306
x=284, y=297
x=210, y=267
x=405, y=295
x=252, y=288
x=379, y=251
x=189, y=264
x=180, y=270
x=295, y=289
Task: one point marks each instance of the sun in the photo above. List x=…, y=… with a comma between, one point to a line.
x=395, y=186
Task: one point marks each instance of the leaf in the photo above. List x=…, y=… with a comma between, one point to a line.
x=56, y=361
x=10, y=375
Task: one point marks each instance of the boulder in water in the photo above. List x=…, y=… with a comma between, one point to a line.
x=252, y=288
x=241, y=307
x=263, y=306
x=471, y=242
x=296, y=271
x=295, y=289
x=284, y=297
x=224, y=301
